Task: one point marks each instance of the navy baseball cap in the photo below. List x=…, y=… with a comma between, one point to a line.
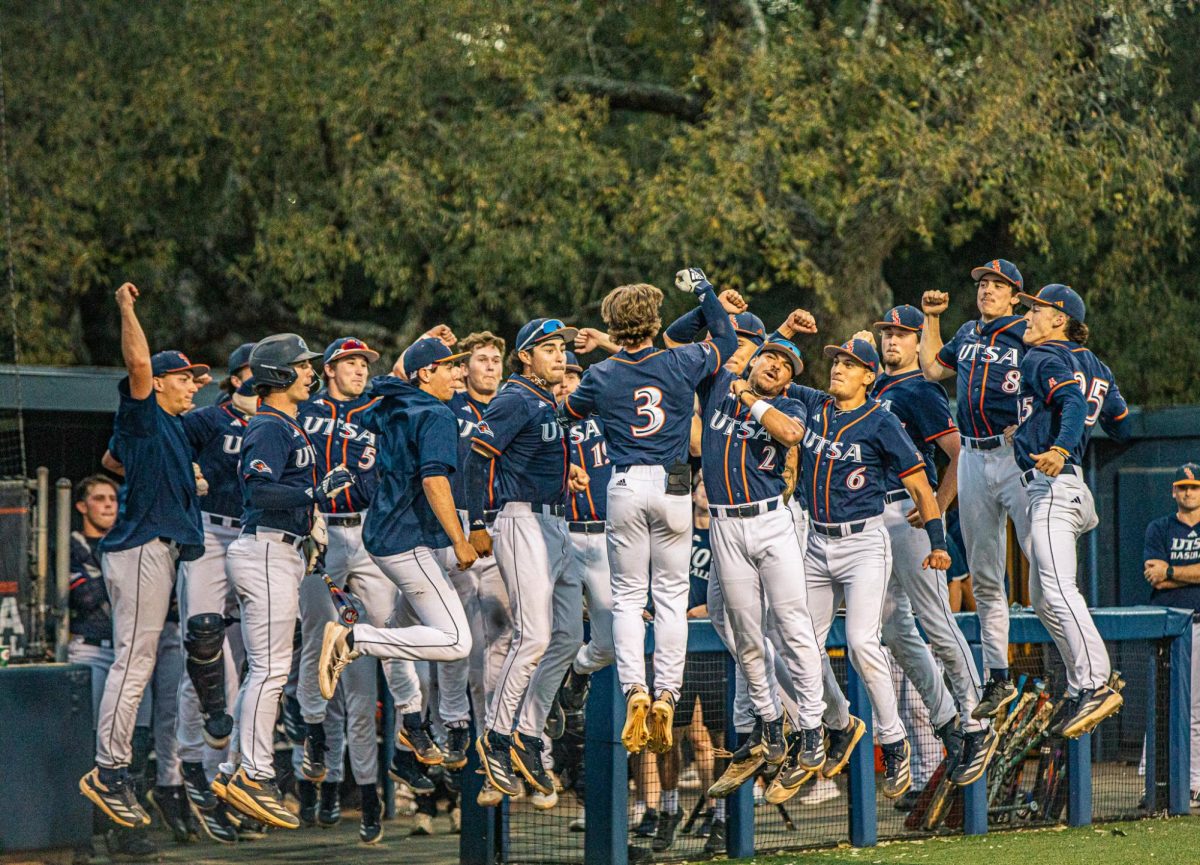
x=904, y=317
x=859, y=349
x=349, y=346
x=1061, y=297
x=573, y=363
x=246, y=388
x=166, y=362
x=788, y=349
x=240, y=357
x=1187, y=476
x=1006, y=270
x=427, y=352
x=542, y=329
x=749, y=325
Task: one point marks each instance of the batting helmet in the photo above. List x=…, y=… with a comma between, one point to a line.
x=271, y=360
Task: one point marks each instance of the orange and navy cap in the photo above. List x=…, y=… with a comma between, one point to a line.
x=788, y=350
x=429, y=351
x=349, y=346
x=749, y=325
x=573, y=363
x=1061, y=297
x=1006, y=270
x=1188, y=475
x=904, y=317
x=167, y=362
x=858, y=349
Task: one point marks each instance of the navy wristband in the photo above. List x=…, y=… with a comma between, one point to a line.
x=937, y=534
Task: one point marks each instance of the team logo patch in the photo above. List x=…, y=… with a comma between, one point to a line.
x=1191, y=476
x=259, y=466
x=484, y=429
x=1053, y=382
x=895, y=316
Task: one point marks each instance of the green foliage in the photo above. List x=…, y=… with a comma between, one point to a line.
x=375, y=168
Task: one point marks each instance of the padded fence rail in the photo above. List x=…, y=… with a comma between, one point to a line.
x=1134, y=764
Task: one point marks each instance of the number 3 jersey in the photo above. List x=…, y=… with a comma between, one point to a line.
x=339, y=438
x=1066, y=391
x=741, y=462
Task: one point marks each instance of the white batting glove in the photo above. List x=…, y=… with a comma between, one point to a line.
x=692, y=280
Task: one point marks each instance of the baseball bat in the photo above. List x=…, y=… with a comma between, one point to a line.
x=345, y=610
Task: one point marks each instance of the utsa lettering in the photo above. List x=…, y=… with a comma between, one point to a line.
x=998, y=354
x=832, y=449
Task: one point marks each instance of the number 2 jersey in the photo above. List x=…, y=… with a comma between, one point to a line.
x=1066, y=391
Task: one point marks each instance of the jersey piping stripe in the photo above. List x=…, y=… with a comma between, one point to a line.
x=817, y=462
x=987, y=368
x=333, y=418
x=476, y=442
x=907, y=376
x=836, y=438
x=631, y=361
x=1058, y=386
x=540, y=394
x=945, y=432
x=728, y=483
x=912, y=471
x=745, y=447
x=235, y=415
x=278, y=415
x=346, y=446
x=491, y=490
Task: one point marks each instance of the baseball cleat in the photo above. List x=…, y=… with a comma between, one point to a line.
x=997, y=694
x=743, y=765
x=664, y=832
x=489, y=796
x=306, y=792
x=370, y=827
x=1093, y=707
x=406, y=770
x=329, y=811
x=495, y=752
x=636, y=734
x=662, y=723
x=216, y=824
x=839, y=745
x=458, y=740
x=312, y=761
x=811, y=756
x=978, y=749
x=336, y=655
x=897, y=776
x=526, y=755
x=115, y=798
x=415, y=734
x=791, y=775
x=195, y=784
x=220, y=786
x=171, y=805
x=259, y=800
x=774, y=745
x=573, y=694
x=556, y=720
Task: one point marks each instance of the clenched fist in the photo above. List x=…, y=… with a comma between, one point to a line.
x=934, y=302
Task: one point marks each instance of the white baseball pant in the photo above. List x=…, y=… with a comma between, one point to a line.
x=139, y=582
x=566, y=640
x=989, y=488
x=531, y=549
x=266, y=573
x=913, y=590
x=756, y=560
x=589, y=559
x=1060, y=510
x=856, y=568
x=649, y=540
x=203, y=588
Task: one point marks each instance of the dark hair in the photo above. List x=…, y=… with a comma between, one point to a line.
x=262, y=391
x=84, y=488
x=514, y=362
x=1077, y=331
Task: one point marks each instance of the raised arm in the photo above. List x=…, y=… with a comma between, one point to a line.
x=783, y=428
x=933, y=304
x=134, y=348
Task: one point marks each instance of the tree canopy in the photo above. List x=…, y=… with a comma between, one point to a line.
x=354, y=166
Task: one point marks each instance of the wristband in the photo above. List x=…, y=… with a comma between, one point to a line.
x=1065, y=453
x=1170, y=572
x=937, y=534
x=478, y=526
x=759, y=409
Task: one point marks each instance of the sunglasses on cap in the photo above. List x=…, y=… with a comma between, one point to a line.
x=548, y=327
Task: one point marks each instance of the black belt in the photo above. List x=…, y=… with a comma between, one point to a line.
x=296, y=541
x=838, y=530
x=171, y=542
x=586, y=527
x=343, y=519
x=489, y=516
x=1027, y=477
x=95, y=641
x=549, y=510
x=218, y=520
x=986, y=444
x=751, y=510
x=896, y=496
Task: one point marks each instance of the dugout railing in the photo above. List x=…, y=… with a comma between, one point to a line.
x=1133, y=765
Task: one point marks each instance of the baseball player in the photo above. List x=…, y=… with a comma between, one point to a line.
x=265, y=564
x=985, y=355
x=158, y=523
x=851, y=443
x=1172, y=567
x=238, y=370
x=645, y=398
x=1066, y=390
x=412, y=520
x=480, y=587
x=924, y=412
x=521, y=432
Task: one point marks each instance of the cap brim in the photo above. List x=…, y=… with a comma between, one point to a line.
x=1031, y=300
x=369, y=354
x=573, y=368
x=897, y=326
x=750, y=334
x=459, y=356
x=1187, y=483
x=566, y=333
x=196, y=369
x=979, y=273
x=776, y=348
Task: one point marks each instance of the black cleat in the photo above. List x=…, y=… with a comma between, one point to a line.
x=195, y=785
x=130, y=843
x=406, y=770
x=417, y=735
x=370, y=827
x=329, y=814
x=908, y=801
x=774, y=745
x=664, y=833
x=840, y=745
x=1093, y=707
x=811, y=756
x=458, y=740
x=573, y=694
x=115, y=797
x=897, y=776
x=312, y=764
x=259, y=800
x=1065, y=712
x=647, y=827
x=526, y=754
x=495, y=752
x=715, y=845
x=171, y=804
x=216, y=823
x=997, y=694
x=306, y=791
x=293, y=720
x=978, y=749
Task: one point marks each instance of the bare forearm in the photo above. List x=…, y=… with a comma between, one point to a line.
x=1186, y=574
x=441, y=500
x=931, y=344
x=922, y=496
x=948, y=490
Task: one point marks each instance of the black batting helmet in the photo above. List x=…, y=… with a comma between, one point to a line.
x=272, y=358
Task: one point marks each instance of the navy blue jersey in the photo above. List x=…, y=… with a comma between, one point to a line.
x=987, y=358
x=699, y=571
x=589, y=451
x=1178, y=544
x=158, y=499
x=848, y=457
x=646, y=401
x=1066, y=391
x=91, y=612
x=469, y=412
x=924, y=412
x=215, y=433
x=417, y=439
x=335, y=428
x=742, y=463
x=276, y=450
x=521, y=430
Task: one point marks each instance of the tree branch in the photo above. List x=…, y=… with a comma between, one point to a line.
x=634, y=96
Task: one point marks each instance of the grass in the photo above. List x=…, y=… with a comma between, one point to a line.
x=1174, y=840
